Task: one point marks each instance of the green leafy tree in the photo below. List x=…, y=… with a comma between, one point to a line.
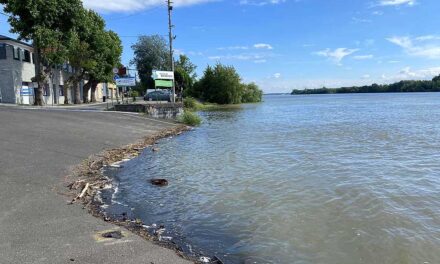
x=95, y=55
x=251, y=93
x=184, y=64
x=47, y=23
x=150, y=53
x=221, y=84
x=109, y=53
x=83, y=52
x=183, y=80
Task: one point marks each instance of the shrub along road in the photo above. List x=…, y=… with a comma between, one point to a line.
x=37, y=149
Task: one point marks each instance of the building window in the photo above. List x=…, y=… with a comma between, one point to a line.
x=17, y=53
x=61, y=87
x=2, y=51
x=46, y=90
x=27, y=56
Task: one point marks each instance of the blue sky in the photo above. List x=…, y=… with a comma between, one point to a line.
x=286, y=44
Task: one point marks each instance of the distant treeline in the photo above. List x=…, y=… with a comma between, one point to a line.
x=399, y=87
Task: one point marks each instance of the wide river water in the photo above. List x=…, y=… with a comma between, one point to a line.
x=299, y=179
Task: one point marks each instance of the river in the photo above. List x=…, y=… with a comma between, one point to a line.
x=299, y=179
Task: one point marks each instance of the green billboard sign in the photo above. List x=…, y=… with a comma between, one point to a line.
x=163, y=83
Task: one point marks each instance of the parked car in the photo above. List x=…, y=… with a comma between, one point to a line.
x=159, y=95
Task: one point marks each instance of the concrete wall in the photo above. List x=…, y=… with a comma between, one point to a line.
x=164, y=111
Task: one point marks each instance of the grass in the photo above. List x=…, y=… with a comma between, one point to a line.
x=190, y=118
x=194, y=105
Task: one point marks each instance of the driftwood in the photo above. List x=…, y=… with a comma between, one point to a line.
x=84, y=191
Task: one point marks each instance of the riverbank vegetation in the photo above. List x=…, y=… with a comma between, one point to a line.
x=222, y=84
x=61, y=32
x=190, y=118
x=398, y=87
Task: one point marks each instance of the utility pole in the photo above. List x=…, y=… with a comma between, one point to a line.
x=170, y=26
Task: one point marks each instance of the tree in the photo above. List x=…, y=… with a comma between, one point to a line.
x=182, y=79
x=186, y=65
x=83, y=53
x=46, y=23
x=251, y=93
x=94, y=52
x=221, y=84
x=150, y=53
x=108, y=52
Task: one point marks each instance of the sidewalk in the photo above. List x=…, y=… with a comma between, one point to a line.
x=37, y=149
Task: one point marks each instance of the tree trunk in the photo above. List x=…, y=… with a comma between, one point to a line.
x=86, y=89
x=93, y=92
x=76, y=92
x=65, y=92
x=38, y=78
x=54, y=94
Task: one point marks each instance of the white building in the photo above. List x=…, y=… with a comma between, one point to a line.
x=17, y=68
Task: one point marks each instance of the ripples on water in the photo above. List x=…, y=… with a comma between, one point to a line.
x=301, y=179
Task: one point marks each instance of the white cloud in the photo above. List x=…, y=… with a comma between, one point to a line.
x=424, y=46
x=428, y=37
x=366, y=76
x=178, y=52
x=363, y=57
x=336, y=55
x=263, y=46
x=244, y=57
x=195, y=53
x=396, y=2
x=277, y=75
x=361, y=20
x=261, y=2
x=215, y=57
x=409, y=74
x=234, y=48
x=133, y=5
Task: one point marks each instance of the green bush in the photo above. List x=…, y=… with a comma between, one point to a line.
x=190, y=118
x=190, y=103
x=134, y=94
x=251, y=93
x=222, y=85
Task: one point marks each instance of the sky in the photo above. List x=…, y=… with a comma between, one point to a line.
x=290, y=44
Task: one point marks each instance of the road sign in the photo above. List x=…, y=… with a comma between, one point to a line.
x=26, y=91
x=130, y=81
x=115, y=70
x=163, y=75
x=116, y=77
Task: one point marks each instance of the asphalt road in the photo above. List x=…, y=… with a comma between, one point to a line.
x=37, y=149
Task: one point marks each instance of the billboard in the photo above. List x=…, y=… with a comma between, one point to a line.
x=163, y=83
x=163, y=75
x=129, y=81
